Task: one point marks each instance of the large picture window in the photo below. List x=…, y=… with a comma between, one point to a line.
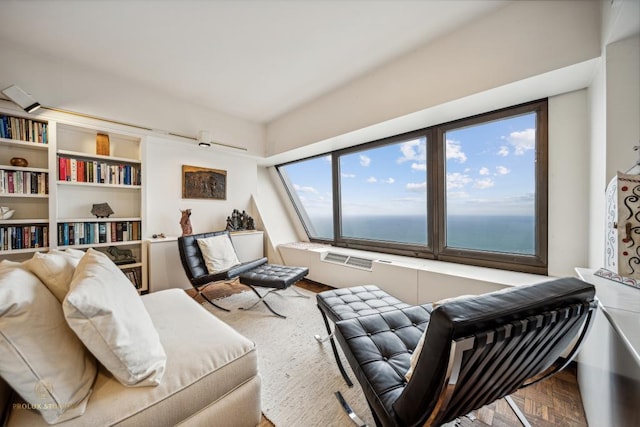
x=383, y=193
x=472, y=191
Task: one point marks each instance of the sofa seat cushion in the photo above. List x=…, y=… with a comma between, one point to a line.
x=206, y=360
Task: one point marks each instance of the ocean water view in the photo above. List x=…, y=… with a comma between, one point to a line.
x=496, y=233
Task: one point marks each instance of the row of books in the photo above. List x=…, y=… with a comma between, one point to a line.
x=22, y=129
x=134, y=275
x=77, y=170
x=23, y=182
x=88, y=233
x=23, y=237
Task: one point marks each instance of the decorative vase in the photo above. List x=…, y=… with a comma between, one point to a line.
x=102, y=144
x=19, y=161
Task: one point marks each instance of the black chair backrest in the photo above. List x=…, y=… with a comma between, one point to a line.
x=191, y=256
x=480, y=349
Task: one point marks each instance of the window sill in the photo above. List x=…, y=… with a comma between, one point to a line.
x=414, y=280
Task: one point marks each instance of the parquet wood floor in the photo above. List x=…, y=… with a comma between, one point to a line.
x=553, y=402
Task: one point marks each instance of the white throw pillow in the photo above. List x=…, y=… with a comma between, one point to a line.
x=40, y=357
x=106, y=312
x=55, y=269
x=218, y=253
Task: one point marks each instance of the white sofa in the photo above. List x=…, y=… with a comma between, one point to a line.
x=211, y=377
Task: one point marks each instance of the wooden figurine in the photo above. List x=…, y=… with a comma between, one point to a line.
x=185, y=222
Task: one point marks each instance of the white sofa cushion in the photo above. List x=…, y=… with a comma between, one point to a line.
x=40, y=357
x=209, y=365
x=55, y=269
x=218, y=253
x=105, y=311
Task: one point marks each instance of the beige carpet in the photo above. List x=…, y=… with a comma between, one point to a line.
x=299, y=375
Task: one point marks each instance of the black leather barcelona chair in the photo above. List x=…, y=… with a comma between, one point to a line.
x=255, y=273
x=475, y=350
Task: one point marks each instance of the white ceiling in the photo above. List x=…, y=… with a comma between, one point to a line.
x=253, y=59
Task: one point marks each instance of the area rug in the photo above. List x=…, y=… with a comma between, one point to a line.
x=299, y=375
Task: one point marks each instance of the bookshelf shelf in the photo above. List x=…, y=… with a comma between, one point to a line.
x=109, y=159
x=24, y=251
x=113, y=219
x=23, y=169
x=23, y=144
x=30, y=221
x=95, y=184
x=102, y=245
x=26, y=196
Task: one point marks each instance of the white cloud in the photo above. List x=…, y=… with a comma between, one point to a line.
x=501, y=170
x=484, y=171
x=388, y=181
x=522, y=141
x=347, y=175
x=303, y=189
x=364, y=160
x=454, y=151
x=419, y=166
x=414, y=150
x=416, y=186
x=504, y=151
x=327, y=158
x=372, y=179
x=457, y=194
x=457, y=180
x=484, y=183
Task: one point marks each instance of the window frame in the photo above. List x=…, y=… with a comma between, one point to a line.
x=396, y=248
x=295, y=199
x=435, y=247
x=537, y=263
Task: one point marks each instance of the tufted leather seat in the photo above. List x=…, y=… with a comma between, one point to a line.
x=347, y=303
x=273, y=276
x=350, y=303
x=382, y=344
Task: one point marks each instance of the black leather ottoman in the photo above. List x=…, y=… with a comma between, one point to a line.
x=349, y=303
x=273, y=276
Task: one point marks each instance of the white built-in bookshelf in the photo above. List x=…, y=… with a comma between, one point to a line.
x=54, y=194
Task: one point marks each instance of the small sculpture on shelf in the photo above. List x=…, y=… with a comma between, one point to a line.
x=240, y=221
x=6, y=212
x=185, y=222
x=19, y=161
x=121, y=256
x=101, y=210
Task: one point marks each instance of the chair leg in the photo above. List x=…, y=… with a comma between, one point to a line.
x=261, y=300
x=298, y=293
x=517, y=411
x=211, y=302
x=345, y=406
x=330, y=337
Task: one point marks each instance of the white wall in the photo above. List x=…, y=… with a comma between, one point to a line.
x=597, y=165
x=503, y=47
x=623, y=104
x=614, y=114
x=163, y=159
x=68, y=86
x=568, y=199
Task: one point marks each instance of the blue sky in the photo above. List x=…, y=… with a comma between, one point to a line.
x=490, y=171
